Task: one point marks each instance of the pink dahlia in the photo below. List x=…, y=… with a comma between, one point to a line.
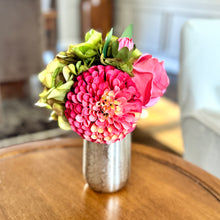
x=104, y=104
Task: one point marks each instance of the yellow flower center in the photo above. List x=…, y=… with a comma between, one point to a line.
x=108, y=106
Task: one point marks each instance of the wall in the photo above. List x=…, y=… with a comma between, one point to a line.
x=157, y=23
x=68, y=23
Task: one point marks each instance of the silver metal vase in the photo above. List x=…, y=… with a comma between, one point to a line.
x=106, y=167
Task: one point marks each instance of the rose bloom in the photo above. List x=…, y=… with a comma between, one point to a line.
x=125, y=42
x=151, y=79
x=104, y=104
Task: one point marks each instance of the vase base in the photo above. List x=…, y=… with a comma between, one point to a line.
x=106, y=189
x=106, y=167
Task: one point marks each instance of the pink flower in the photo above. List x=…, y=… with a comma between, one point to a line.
x=151, y=79
x=104, y=104
x=125, y=42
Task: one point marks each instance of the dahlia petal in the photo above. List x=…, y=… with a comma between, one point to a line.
x=87, y=123
x=87, y=137
x=94, y=136
x=74, y=99
x=77, y=124
x=72, y=114
x=79, y=78
x=79, y=96
x=92, y=118
x=85, y=111
x=125, y=124
x=86, y=97
x=78, y=108
x=116, y=82
x=88, y=79
x=117, y=125
x=69, y=95
x=129, y=117
x=73, y=128
x=71, y=121
x=100, y=130
x=82, y=89
x=94, y=74
x=99, y=92
x=68, y=104
x=94, y=128
x=84, y=103
x=105, y=133
x=76, y=90
x=67, y=113
x=80, y=130
x=110, y=120
x=79, y=118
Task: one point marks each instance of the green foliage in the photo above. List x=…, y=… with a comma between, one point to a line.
x=107, y=42
x=128, y=32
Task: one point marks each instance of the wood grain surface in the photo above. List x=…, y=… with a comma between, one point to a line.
x=43, y=180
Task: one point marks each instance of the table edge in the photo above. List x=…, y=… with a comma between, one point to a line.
x=206, y=180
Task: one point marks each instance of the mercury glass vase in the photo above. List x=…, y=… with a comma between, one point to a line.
x=106, y=167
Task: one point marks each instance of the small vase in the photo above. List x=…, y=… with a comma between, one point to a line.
x=106, y=167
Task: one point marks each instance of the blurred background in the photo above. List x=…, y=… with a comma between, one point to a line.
x=32, y=32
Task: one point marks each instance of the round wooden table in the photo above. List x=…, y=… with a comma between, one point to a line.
x=43, y=180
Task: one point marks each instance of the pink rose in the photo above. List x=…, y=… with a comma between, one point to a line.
x=125, y=42
x=150, y=78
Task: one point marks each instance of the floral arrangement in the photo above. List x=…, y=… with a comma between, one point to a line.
x=98, y=88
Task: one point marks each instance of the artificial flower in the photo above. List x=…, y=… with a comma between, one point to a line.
x=98, y=88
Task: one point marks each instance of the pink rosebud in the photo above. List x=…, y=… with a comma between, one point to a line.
x=150, y=78
x=125, y=42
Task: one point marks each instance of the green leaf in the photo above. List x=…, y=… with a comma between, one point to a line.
x=115, y=45
x=107, y=42
x=93, y=37
x=72, y=68
x=41, y=104
x=127, y=67
x=128, y=32
x=123, y=54
x=42, y=75
x=59, y=109
x=84, y=50
x=55, y=73
x=111, y=61
x=53, y=116
x=136, y=53
x=60, y=92
x=82, y=68
x=78, y=64
x=66, y=73
x=63, y=123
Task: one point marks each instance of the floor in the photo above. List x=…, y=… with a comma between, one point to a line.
x=22, y=121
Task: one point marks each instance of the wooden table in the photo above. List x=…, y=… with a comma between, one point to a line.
x=43, y=180
x=161, y=122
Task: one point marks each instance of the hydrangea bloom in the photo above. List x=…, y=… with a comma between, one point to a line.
x=104, y=104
